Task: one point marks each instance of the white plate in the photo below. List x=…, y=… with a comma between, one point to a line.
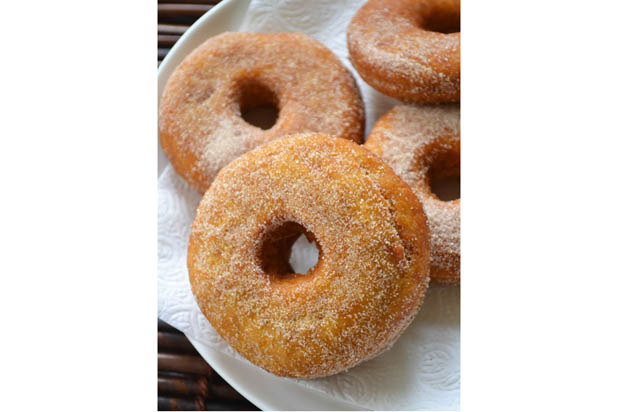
x=265, y=391
x=258, y=386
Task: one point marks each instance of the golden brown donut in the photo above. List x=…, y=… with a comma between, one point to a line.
x=408, y=49
x=371, y=276
x=201, y=127
x=421, y=144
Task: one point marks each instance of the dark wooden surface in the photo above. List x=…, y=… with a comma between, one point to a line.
x=175, y=17
x=186, y=382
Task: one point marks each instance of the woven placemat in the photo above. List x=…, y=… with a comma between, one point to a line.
x=186, y=382
x=174, y=18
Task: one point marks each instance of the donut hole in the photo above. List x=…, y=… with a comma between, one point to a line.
x=287, y=251
x=304, y=255
x=442, y=20
x=444, y=176
x=446, y=188
x=259, y=105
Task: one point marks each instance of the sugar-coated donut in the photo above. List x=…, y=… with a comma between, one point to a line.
x=421, y=143
x=201, y=127
x=408, y=49
x=370, y=279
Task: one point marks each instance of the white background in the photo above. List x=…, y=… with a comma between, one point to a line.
x=78, y=209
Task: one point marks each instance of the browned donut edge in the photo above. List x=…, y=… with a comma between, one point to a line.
x=376, y=142
x=184, y=161
x=380, y=75
x=415, y=236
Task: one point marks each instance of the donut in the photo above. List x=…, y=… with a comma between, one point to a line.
x=421, y=144
x=371, y=275
x=408, y=49
x=201, y=127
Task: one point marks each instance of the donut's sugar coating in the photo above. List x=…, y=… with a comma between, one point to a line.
x=201, y=127
x=408, y=49
x=421, y=142
x=370, y=279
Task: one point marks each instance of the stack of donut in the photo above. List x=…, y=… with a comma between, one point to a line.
x=380, y=230
x=409, y=50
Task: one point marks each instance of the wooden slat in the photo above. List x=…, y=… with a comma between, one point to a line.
x=180, y=404
x=214, y=379
x=172, y=28
x=196, y=404
x=184, y=363
x=161, y=53
x=183, y=10
x=174, y=343
x=183, y=387
x=167, y=40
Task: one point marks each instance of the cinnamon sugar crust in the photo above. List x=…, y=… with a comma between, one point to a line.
x=418, y=141
x=371, y=276
x=201, y=127
x=408, y=49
